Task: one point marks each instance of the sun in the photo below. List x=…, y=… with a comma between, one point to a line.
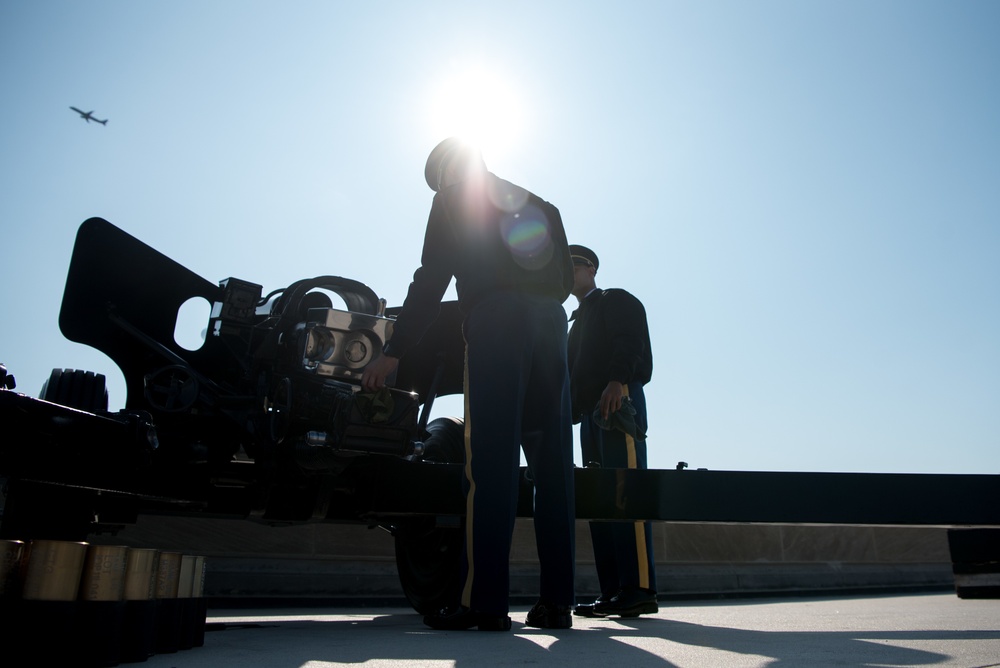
x=479, y=105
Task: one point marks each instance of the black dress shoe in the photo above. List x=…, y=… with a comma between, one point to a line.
x=588, y=609
x=630, y=602
x=547, y=616
x=460, y=619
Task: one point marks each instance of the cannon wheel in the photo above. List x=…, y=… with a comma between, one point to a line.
x=82, y=390
x=428, y=554
x=428, y=558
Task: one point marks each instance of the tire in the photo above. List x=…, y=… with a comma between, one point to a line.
x=445, y=442
x=82, y=390
x=429, y=556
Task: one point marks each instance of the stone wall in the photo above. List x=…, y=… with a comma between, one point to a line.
x=334, y=561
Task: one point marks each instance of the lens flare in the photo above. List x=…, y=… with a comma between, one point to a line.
x=506, y=196
x=526, y=233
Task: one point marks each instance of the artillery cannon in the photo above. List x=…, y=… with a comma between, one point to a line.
x=265, y=420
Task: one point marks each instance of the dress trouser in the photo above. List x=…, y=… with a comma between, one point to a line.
x=623, y=551
x=517, y=394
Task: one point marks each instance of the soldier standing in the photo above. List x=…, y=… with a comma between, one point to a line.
x=610, y=360
x=508, y=253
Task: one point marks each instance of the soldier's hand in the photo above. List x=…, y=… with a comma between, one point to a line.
x=611, y=398
x=373, y=378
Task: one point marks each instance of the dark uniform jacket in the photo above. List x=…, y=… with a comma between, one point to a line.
x=491, y=235
x=609, y=341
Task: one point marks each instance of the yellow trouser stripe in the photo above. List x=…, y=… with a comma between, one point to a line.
x=640, y=529
x=467, y=590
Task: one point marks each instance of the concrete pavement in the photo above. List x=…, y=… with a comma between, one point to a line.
x=898, y=630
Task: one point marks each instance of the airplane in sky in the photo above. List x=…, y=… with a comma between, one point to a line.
x=89, y=116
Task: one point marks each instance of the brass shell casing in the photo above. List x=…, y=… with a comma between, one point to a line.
x=104, y=573
x=168, y=574
x=140, y=574
x=11, y=567
x=54, y=570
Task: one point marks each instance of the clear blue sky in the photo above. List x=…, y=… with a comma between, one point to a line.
x=805, y=195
